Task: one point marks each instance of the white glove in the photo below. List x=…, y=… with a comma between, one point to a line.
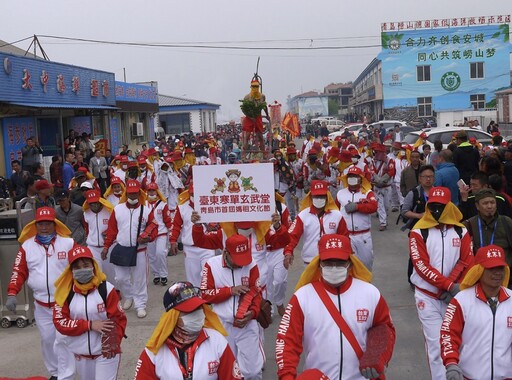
x=453, y=372
x=11, y=303
x=455, y=289
x=369, y=373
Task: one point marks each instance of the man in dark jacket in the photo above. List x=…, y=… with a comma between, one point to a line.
x=465, y=157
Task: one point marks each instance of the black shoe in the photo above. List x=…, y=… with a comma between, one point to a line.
x=180, y=246
x=156, y=280
x=163, y=281
x=52, y=378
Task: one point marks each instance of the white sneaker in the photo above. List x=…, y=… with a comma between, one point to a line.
x=141, y=313
x=127, y=304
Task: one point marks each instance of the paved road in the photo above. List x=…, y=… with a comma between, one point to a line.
x=20, y=353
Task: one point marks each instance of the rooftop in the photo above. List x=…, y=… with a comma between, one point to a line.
x=174, y=101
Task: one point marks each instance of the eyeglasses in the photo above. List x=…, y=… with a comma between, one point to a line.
x=334, y=264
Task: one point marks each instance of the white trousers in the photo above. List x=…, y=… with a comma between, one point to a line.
x=157, y=256
x=431, y=312
x=382, y=194
x=246, y=345
x=362, y=246
x=290, y=202
x=277, y=277
x=397, y=198
x=99, y=368
x=105, y=265
x=56, y=357
x=194, y=264
x=261, y=261
x=132, y=281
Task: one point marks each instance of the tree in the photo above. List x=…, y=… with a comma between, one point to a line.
x=333, y=107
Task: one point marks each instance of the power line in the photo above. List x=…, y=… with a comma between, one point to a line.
x=199, y=46
x=15, y=42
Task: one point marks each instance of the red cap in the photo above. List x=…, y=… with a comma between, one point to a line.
x=291, y=150
x=362, y=143
x=132, y=186
x=345, y=156
x=312, y=151
x=141, y=160
x=168, y=159
x=116, y=180
x=325, y=138
x=354, y=153
x=124, y=159
x=45, y=214
x=397, y=145
x=182, y=296
x=152, y=151
x=312, y=374
x=188, y=150
x=319, y=187
x=244, y=225
x=132, y=164
x=334, y=152
x=334, y=246
x=355, y=170
x=239, y=249
x=152, y=186
x=117, y=157
x=82, y=169
x=176, y=156
x=79, y=252
x=439, y=195
x=43, y=184
x=495, y=134
x=379, y=148
x=92, y=196
x=490, y=256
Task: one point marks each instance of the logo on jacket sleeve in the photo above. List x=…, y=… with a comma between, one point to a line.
x=101, y=307
x=245, y=280
x=105, y=222
x=362, y=315
x=237, y=374
x=332, y=225
x=421, y=305
x=509, y=322
x=455, y=242
x=213, y=367
x=61, y=255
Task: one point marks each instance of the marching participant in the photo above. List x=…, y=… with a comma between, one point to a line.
x=357, y=203
x=383, y=172
x=319, y=216
x=182, y=225
x=115, y=191
x=188, y=343
x=157, y=249
x=126, y=221
x=97, y=211
x=123, y=168
x=147, y=175
x=154, y=160
x=41, y=259
x=87, y=313
x=226, y=278
x=476, y=335
x=441, y=253
x=296, y=164
x=333, y=318
x=401, y=163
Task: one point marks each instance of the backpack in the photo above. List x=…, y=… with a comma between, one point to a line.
x=424, y=232
x=102, y=289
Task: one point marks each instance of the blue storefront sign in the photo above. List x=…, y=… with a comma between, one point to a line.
x=37, y=83
x=114, y=135
x=137, y=93
x=15, y=133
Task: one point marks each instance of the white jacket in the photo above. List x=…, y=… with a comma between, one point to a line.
x=475, y=340
x=96, y=225
x=123, y=224
x=40, y=267
x=361, y=220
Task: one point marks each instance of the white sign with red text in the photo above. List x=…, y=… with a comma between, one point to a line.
x=234, y=193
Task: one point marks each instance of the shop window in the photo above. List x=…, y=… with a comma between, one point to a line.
x=423, y=73
x=477, y=101
x=476, y=70
x=424, y=106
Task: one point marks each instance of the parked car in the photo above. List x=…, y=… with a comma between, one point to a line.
x=352, y=128
x=389, y=124
x=334, y=125
x=445, y=134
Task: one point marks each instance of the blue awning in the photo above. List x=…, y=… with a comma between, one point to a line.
x=64, y=106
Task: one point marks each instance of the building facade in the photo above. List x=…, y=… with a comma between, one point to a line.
x=309, y=105
x=341, y=93
x=179, y=115
x=367, y=101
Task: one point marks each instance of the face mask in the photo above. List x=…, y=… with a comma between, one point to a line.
x=152, y=197
x=191, y=199
x=193, y=322
x=334, y=275
x=84, y=275
x=142, y=169
x=353, y=181
x=436, y=209
x=132, y=202
x=326, y=145
x=124, y=167
x=319, y=202
x=355, y=160
x=245, y=233
x=118, y=192
x=45, y=239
